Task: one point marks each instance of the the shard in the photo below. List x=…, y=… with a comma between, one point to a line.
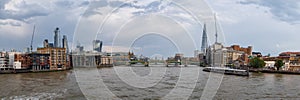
x=204, y=40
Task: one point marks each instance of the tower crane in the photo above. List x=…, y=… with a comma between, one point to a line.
x=32, y=39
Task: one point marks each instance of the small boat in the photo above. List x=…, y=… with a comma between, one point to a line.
x=226, y=70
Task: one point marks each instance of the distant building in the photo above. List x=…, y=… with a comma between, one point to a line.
x=204, y=44
x=58, y=57
x=211, y=54
x=46, y=43
x=24, y=60
x=256, y=54
x=33, y=61
x=51, y=45
x=91, y=59
x=291, y=60
x=218, y=55
x=4, y=61
x=57, y=42
x=270, y=62
x=79, y=48
x=65, y=43
x=97, y=45
x=248, y=50
x=119, y=58
x=196, y=53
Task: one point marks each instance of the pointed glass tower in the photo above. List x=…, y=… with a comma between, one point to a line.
x=204, y=40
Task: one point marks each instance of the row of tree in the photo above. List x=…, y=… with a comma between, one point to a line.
x=259, y=63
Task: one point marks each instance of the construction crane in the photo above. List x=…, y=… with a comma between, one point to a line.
x=32, y=39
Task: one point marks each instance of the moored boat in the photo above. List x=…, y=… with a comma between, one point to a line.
x=226, y=70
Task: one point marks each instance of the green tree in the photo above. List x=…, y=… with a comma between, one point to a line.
x=257, y=63
x=278, y=64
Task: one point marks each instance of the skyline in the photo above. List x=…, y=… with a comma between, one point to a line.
x=259, y=23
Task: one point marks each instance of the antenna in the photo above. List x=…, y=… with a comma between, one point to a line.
x=32, y=38
x=216, y=28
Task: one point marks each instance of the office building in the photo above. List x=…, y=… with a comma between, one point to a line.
x=97, y=45
x=65, y=44
x=57, y=42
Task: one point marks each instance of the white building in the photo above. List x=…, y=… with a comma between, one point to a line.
x=270, y=64
x=220, y=56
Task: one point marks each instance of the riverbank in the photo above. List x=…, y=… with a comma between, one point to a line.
x=29, y=71
x=274, y=71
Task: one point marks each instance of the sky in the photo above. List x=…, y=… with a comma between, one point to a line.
x=152, y=27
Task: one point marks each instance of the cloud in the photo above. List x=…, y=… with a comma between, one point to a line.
x=284, y=10
x=21, y=10
x=248, y=23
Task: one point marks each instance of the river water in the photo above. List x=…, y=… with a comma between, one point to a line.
x=164, y=83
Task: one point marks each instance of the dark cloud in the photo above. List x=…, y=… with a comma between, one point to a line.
x=284, y=10
x=26, y=12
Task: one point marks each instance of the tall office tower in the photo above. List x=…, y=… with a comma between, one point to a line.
x=46, y=43
x=57, y=38
x=204, y=40
x=97, y=45
x=65, y=43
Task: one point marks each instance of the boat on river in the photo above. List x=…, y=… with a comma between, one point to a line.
x=226, y=70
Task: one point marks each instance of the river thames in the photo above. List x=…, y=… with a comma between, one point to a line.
x=67, y=85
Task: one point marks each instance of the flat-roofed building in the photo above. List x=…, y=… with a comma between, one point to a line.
x=58, y=57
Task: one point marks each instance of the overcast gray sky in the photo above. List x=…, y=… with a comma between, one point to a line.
x=270, y=26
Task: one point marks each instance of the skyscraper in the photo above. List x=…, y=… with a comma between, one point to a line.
x=65, y=43
x=46, y=43
x=57, y=43
x=204, y=40
x=97, y=45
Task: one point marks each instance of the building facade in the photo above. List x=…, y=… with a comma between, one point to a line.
x=4, y=61
x=58, y=57
x=91, y=59
x=291, y=60
x=234, y=56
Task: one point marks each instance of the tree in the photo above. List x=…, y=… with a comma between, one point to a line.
x=278, y=64
x=257, y=63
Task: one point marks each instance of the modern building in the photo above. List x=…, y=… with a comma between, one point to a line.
x=97, y=45
x=204, y=44
x=57, y=42
x=65, y=44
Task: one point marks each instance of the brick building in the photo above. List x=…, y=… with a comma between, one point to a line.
x=58, y=57
x=33, y=61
